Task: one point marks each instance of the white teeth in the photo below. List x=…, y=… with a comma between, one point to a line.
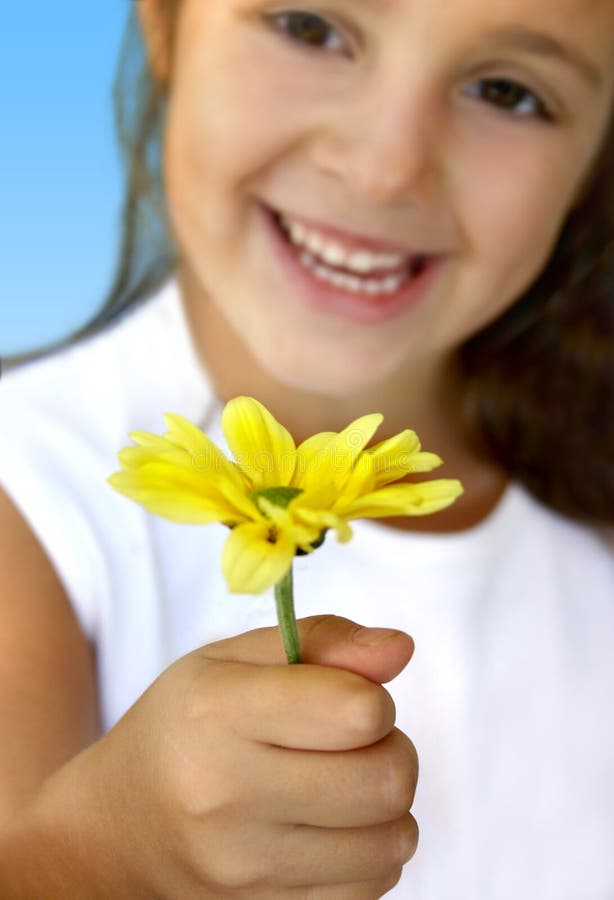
x=314, y=243
x=333, y=255
x=297, y=232
x=393, y=283
x=365, y=261
x=361, y=261
x=373, y=287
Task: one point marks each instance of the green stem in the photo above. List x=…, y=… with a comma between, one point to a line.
x=284, y=602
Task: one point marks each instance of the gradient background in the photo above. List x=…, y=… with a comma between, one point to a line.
x=60, y=176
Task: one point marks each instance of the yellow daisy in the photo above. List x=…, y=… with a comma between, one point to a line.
x=278, y=499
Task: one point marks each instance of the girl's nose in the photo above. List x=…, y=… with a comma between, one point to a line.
x=387, y=146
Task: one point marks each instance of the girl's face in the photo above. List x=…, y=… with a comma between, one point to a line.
x=456, y=130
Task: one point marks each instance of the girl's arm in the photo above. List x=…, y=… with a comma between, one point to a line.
x=232, y=775
x=49, y=713
x=48, y=700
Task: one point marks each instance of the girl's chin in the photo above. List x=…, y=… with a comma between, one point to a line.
x=261, y=333
x=331, y=375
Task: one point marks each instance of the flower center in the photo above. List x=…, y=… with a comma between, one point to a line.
x=272, y=535
x=278, y=496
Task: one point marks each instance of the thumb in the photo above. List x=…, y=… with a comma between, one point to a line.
x=378, y=654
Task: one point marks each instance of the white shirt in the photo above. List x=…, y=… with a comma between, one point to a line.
x=510, y=692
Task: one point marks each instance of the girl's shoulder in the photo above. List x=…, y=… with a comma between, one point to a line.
x=64, y=419
x=520, y=525
x=66, y=416
x=546, y=548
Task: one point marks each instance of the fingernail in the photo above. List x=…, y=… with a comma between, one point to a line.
x=372, y=637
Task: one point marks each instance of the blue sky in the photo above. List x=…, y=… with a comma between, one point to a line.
x=60, y=176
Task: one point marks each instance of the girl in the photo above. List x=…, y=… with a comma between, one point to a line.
x=364, y=207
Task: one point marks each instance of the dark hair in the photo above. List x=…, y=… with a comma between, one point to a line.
x=540, y=379
x=539, y=384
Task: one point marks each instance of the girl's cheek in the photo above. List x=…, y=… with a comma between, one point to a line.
x=509, y=206
x=521, y=189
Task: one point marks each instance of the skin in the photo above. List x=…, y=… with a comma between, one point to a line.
x=234, y=775
x=161, y=805
x=437, y=168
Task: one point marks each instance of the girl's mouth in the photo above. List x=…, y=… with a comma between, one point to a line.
x=360, y=287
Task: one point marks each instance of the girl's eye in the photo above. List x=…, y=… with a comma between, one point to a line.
x=307, y=28
x=316, y=33
x=510, y=97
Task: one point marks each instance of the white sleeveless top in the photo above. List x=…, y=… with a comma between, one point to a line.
x=509, y=695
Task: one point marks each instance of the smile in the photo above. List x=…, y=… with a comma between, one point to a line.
x=341, y=276
x=343, y=266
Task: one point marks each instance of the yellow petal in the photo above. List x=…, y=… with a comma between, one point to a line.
x=136, y=457
x=264, y=449
x=329, y=457
x=404, y=442
x=398, y=456
x=407, y=499
x=321, y=497
x=153, y=441
x=302, y=534
x=273, y=512
x=205, y=456
x=160, y=481
x=239, y=501
x=321, y=519
x=309, y=467
x=358, y=433
x=251, y=563
x=309, y=508
x=359, y=480
x=423, y=462
x=175, y=504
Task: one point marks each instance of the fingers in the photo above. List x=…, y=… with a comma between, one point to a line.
x=376, y=654
x=364, y=890
x=310, y=858
x=290, y=781
x=313, y=856
x=301, y=707
x=340, y=790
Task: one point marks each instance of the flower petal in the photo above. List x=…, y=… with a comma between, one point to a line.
x=243, y=505
x=308, y=469
x=400, y=455
x=251, y=563
x=137, y=457
x=161, y=481
x=358, y=433
x=321, y=519
x=174, y=504
x=147, y=439
x=423, y=462
x=359, y=481
x=303, y=535
x=205, y=456
x=406, y=499
x=404, y=442
x=329, y=457
x=263, y=449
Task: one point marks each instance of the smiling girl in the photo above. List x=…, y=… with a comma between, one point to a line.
x=401, y=206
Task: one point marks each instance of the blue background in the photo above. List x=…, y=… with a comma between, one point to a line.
x=60, y=175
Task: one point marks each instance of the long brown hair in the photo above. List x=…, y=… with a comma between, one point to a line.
x=539, y=381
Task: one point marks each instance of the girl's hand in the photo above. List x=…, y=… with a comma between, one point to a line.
x=233, y=777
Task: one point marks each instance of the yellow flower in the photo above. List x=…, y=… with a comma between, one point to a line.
x=277, y=499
